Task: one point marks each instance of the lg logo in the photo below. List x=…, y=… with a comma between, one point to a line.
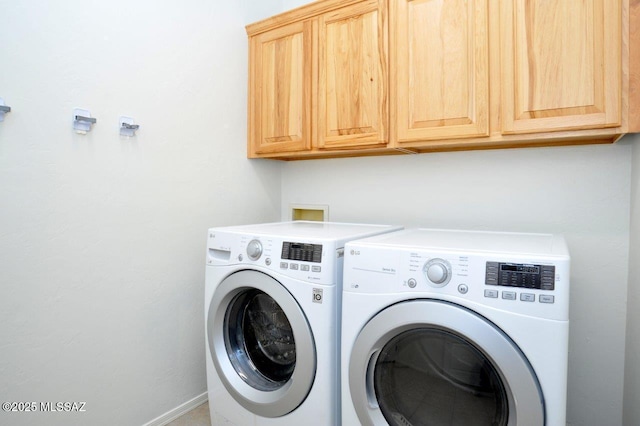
x=317, y=295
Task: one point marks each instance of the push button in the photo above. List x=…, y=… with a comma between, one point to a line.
x=493, y=294
x=527, y=297
x=284, y=265
x=304, y=267
x=546, y=298
x=293, y=266
x=509, y=295
x=316, y=269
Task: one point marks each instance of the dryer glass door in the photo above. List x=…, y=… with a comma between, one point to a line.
x=429, y=362
x=261, y=343
x=433, y=376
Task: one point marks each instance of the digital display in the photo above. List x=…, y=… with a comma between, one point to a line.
x=525, y=269
x=302, y=252
x=523, y=275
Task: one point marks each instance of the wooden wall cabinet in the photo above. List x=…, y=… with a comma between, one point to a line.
x=440, y=69
x=337, y=78
x=474, y=74
x=561, y=65
x=319, y=83
x=280, y=75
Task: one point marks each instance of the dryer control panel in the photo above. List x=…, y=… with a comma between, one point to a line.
x=523, y=275
x=528, y=285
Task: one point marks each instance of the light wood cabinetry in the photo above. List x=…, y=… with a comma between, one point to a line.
x=352, y=104
x=363, y=77
x=440, y=69
x=280, y=92
x=320, y=82
x=561, y=65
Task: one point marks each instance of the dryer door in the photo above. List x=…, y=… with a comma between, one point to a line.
x=261, y=343
x=426, y=362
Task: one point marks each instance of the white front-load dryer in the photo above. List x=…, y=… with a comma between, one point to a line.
x=444, y=327
x=272, y=320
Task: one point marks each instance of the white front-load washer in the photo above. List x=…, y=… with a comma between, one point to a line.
x=272, y=313
x=444, y=327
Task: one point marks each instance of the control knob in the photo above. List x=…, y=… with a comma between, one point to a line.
x=254, y=249
x=438, y=272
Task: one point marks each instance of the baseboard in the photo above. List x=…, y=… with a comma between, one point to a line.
x=171, y=415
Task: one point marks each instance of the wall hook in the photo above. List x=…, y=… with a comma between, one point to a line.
x=86, y=119
x=127, y=128
x=82, y=120
x=3, y=109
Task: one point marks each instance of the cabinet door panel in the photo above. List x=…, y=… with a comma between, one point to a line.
x=561, y=66
x=352, y=74
x=280, y=84
x=439, y=69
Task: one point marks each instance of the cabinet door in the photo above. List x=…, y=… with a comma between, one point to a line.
x=280, y=89
x=561, y=64
x=439, y=69
x=352, y=104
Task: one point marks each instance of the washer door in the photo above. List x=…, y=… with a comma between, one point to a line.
x=261, y=343
x=428, y=362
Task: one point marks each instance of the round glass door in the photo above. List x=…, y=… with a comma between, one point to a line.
x=261, y=343
x=259, y=340
x=430, y=362
x=429, y=376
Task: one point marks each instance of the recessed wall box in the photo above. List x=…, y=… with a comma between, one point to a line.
x=318, y=213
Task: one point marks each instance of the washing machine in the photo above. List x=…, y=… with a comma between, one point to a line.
x=272, y=320
x=446, y=327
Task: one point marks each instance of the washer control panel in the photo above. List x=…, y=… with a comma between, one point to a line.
x=310, y=261
x=301, y=252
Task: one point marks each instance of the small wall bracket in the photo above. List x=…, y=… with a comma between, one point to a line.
x=127, y=128
x=3, y=109
x=82, y=120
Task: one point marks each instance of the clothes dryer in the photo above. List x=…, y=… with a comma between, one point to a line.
x=272, y=320
x=444, y=327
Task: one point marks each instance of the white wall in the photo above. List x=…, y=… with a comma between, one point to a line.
x=102, y=238
x=582, y=192
x=632, y=362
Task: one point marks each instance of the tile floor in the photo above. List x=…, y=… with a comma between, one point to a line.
x=199, y=416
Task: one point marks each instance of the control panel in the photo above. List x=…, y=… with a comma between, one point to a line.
x=525, y=284
x=528, y=279
x=302, y=252
x=297, y=259
x=539, y=277
x=301, y=256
